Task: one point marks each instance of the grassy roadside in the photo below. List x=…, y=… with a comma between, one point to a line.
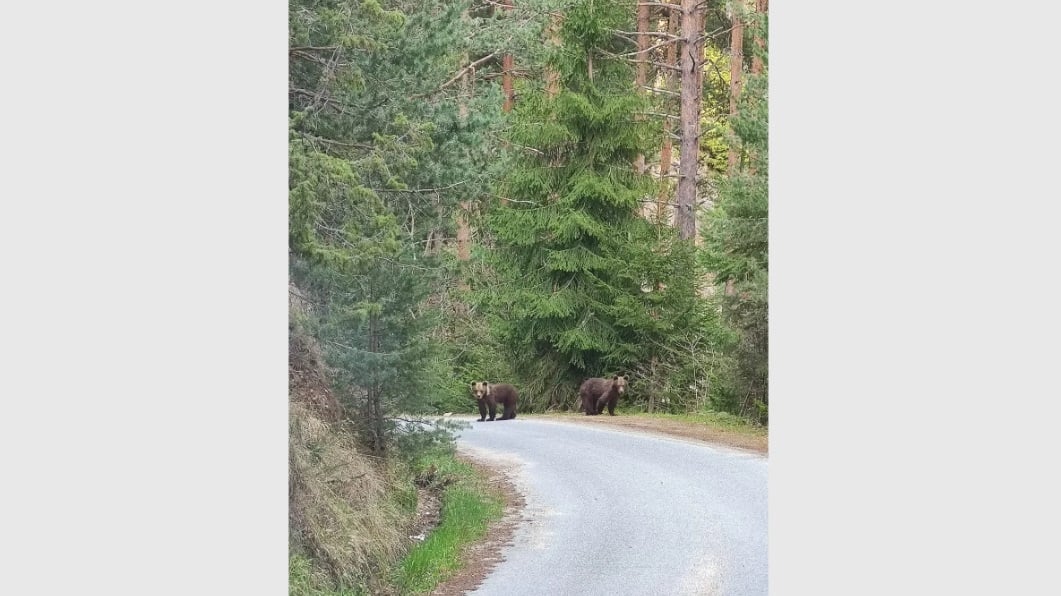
x=469, y=505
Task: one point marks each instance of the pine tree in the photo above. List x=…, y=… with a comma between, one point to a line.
x=363, y=148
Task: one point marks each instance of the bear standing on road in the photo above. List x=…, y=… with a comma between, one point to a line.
x=489, y=396
x=597, y=392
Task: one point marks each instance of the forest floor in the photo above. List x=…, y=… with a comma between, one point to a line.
x=480, y=558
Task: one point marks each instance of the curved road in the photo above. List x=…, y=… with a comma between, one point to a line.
x=617, y=513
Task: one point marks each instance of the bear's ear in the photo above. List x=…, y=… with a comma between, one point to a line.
x=615, y=378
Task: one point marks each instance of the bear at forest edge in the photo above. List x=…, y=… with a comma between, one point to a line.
x=488, y=396
x=597, y=393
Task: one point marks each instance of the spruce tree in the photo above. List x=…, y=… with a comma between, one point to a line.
x=580, y=274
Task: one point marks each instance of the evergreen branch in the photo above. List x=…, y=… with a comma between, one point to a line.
x=511, y=200
x=713, y=34
x=339, y=143
x=661, y=5
x=314, y=48
x=644, y=51
x=659, y=64
x=672, y=117
x=458, y=183
x=341, y=108
x=663, y=91
x=648, y=33
x=461, y=73
x=308, y=56
x=671, y=38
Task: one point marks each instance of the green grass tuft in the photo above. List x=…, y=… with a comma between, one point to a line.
x=468, y=506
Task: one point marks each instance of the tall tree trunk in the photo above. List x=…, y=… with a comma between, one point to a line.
x=552, y=77
x=507, y=65
x=736, y=66
x=691, y=62
x=761, y=7
x=757, y=61
x=375, y=398
x=669, y=77
x=641, y=78
x=463, y=227
x=736, y=69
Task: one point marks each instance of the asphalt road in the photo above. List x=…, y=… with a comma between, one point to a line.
x=619, y=513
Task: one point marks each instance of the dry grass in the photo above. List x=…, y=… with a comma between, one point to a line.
x=341, y=512
x=346, y=511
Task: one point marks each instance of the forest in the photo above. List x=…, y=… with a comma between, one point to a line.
x=532, y=192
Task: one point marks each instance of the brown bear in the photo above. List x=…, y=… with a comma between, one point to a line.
x=489, y=396
x=597, y=392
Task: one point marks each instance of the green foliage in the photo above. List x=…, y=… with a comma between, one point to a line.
x=585, y=286
x=736, y=242
x=379, y=157
x=469, y=504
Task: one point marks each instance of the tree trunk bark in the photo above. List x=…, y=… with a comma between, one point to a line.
x=552, y=78
x=691, y=61
x=375, y=399
x=641, y=77
x=757, y=65
x=464, y=232
x=736, y=64
x=507, y=65
x=665, y=157
x=761, y=7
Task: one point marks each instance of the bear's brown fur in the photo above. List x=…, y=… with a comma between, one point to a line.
x=597, y=393
x=488, y=396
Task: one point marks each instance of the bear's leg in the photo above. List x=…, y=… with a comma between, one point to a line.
x=602, y=403
x=611, y=405
x=482, y=411
x=493, y=409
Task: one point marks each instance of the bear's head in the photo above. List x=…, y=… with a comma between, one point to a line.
x=619, y=382
x=480, y=389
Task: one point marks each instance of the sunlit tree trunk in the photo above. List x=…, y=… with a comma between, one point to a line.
x=736, y=66
x=761, y=7
x=691, y=96
x=641, y=77
x=463, y=227
x=507, y=66
x=666, y=150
